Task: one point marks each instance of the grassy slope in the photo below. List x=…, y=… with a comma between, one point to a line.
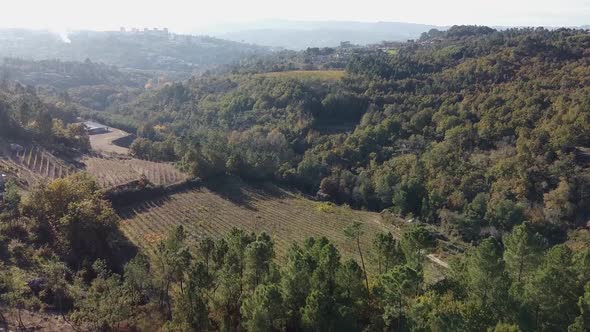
x=286, y=216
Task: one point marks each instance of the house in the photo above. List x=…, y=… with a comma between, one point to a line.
x=94, y=128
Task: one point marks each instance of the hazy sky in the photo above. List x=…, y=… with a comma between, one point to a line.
x=186, y=15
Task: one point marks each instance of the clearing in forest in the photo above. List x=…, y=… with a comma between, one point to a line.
x=213, y=210
x=113, y=171
x=103, y=143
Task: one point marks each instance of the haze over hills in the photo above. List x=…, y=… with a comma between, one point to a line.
x=146, y=49
x=435, y=184
x=302, y=34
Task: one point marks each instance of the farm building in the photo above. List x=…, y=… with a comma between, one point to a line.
x=94, y=128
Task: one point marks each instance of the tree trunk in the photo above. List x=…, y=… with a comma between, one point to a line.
x=21, y=325
x=4, y=322
x=520, y=267
x=358, y=244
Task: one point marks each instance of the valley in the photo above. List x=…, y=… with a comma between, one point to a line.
x=155, y=181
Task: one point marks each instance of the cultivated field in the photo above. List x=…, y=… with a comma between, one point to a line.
x=329, y=75
x=286, y=216
x=34, y=164
x=112, y=171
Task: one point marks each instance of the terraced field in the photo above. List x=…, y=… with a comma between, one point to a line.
x=34, y=164
x=286, y=216
x=112, y=172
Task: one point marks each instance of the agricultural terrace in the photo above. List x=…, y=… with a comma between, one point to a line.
x=326, y=75
x=286, y=216
x=33, y=164
x=112, y=172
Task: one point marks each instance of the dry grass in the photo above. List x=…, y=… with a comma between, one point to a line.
x=326, y=75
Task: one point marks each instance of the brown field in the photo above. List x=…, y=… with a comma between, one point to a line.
x=103, y=143
x=328, y=75
x=112, y=172
x=34, y=164
x=286, y=216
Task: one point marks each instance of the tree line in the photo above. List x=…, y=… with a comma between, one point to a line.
x=60, y=250
x=471, y=129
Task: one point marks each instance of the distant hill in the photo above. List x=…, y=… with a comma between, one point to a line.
x=144, y=49
x=68, y=74
x=300, y=35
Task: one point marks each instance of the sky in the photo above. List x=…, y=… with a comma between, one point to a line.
x=197, y=15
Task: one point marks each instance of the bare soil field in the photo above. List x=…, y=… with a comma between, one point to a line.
x=103, y=143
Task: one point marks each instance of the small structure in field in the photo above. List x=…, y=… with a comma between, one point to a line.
x=95, y=128
x=16, y=148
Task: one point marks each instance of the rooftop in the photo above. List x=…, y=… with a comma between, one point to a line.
x=93, y=125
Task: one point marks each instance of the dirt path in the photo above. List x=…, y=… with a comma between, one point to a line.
x=438, y=261
x=397, y=233
x=103, y=143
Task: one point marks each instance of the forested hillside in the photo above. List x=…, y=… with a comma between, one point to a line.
x=472, y=129
x=144, y=50
x=472, y=143
x=25, y=117
x=86, y=85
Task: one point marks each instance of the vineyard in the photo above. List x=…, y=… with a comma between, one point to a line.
x=286, y=216
x=112, y=172
x=33, y=164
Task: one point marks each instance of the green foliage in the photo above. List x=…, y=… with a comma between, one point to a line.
x=263, y=310
x=105, y=303
x=26, y=115
x=414, y=243
x=552, y=291
x=476, y=124
x=71, y=215
x=388, y=252
x=582, y=322
x=523, y=252
x=11, y=200
x=487, y=282
x=481, y=132
x=395, y=291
